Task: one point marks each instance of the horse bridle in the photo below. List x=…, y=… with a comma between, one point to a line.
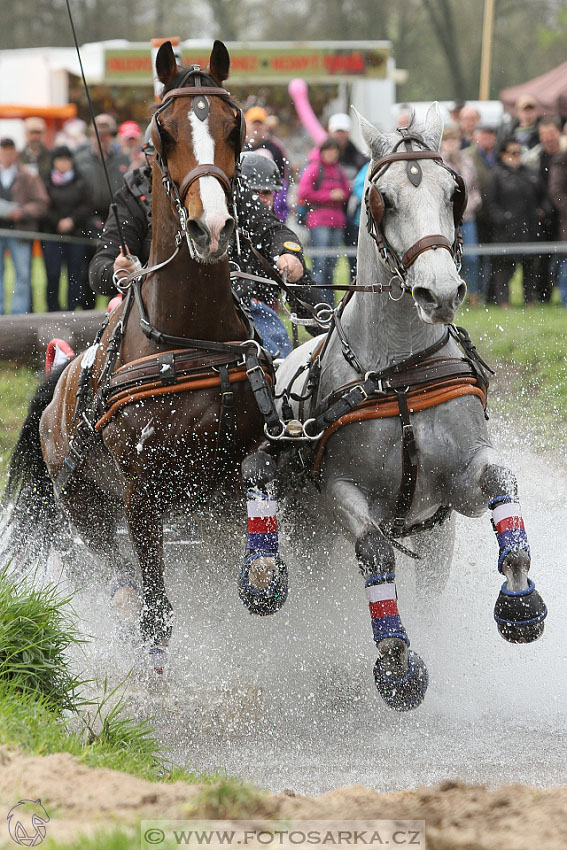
x=201, y=108
x=375, y=206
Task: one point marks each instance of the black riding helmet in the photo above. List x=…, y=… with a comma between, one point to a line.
x=260, y=172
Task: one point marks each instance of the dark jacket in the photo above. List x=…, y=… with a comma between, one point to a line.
x=133, y=202
x=513, y=198
x=90, y=166
x=558, y=191
x=352, y=160
x=268, y=235
x=68, y=200
x=40, y=164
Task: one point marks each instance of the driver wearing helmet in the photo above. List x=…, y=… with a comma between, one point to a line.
x=269, y=236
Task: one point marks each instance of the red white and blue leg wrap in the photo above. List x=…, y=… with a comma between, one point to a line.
x=508, y=526
x=382, y=599
x=262, y=523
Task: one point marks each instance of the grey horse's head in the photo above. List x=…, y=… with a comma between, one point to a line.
x=414, y=212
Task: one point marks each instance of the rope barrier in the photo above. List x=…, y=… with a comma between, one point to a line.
x=482, y=249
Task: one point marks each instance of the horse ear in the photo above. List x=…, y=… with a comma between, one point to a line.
x=166, y=63
x=376, y=141
x=219, y=62
x=433, y=129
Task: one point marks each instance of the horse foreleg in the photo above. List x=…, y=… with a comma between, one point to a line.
x=400, y=674
x=263, y=579
x=95, y=516
x=519, y=611
x=146, y=532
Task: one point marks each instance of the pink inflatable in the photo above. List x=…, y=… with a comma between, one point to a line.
x=298, y=92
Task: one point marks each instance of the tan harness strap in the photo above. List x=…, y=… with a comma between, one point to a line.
x=388, y=407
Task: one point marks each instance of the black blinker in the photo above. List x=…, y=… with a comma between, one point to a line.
x=414, y=172
x=201, y=107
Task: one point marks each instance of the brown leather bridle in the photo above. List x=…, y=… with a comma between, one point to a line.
x=200, y=94
x=175, y=193
x=375, y=206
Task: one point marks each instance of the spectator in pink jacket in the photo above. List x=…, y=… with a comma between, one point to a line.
x=325, y=189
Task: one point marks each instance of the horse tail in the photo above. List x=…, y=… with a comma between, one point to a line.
x=34, y=518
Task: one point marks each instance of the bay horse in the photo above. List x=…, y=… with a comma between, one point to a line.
x=393, y=402
x=168, y=396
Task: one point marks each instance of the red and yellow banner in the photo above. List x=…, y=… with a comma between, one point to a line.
x=312, y=62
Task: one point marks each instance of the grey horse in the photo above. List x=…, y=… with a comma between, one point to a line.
x=408, y=255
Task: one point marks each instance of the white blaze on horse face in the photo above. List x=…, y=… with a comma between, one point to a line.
x=213, y=198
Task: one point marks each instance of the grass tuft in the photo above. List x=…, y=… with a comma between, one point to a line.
x=101, y=840
x=37, y=628
x=227, y=798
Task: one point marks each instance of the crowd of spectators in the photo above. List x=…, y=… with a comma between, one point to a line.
x=516, y=181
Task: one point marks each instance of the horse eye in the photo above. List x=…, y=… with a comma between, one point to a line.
x=234, y=137
x=166, y=138
x=388, y=205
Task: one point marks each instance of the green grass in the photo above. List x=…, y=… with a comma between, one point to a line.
x=41, y=707
x=39, y=284
x=527, y=348
x=226, y=798
x=37, y=629
x=117, y=839
x=17, y=386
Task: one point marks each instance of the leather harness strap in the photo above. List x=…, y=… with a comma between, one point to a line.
x=388, y=406
x=204, y=171
x=426, y=244
x=148, y=391
x=403, y=156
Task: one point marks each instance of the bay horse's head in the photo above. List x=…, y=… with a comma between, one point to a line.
x=414, y=206
x=197, y=132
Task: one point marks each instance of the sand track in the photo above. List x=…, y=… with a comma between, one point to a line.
x=84, y=800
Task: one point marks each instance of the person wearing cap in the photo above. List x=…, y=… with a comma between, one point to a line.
x=351, y=160
x=67, y=215
x=89, y=164
x=527, y=113
x=23, y=201
x=274, y=241
x=35, y=155
x=259, y=136
x=131, y=139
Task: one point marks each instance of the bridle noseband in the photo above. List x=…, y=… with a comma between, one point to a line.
x=399, y=266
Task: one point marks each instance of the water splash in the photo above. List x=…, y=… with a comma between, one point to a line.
x=289, y=701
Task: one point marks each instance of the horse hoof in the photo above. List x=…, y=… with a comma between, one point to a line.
x=520, y=615
x=262, y=584
x=156, y=621
x=158, y=658
x=406, y=693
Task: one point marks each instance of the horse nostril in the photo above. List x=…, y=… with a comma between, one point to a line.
x=424, y=296
x=226, y=231
x=199, y=232
x=460, y=296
